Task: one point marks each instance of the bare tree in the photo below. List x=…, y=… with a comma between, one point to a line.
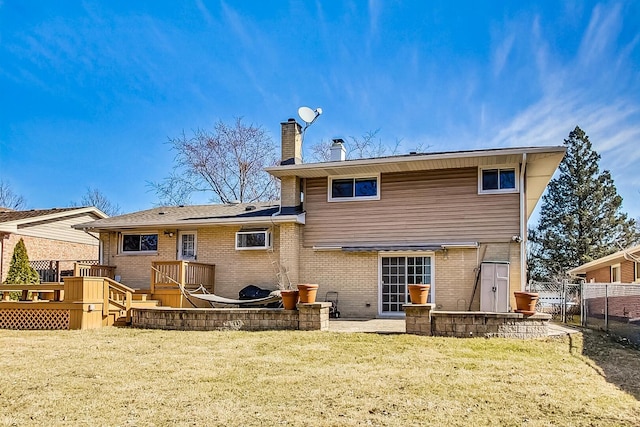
x=227, y=163
x=368, y=145
x=93, y=197
x=9, y=199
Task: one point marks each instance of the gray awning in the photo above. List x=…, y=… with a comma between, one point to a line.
x=397, y=247
x=387, y=248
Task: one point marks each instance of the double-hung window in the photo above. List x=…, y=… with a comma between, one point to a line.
x=139, y=243
x=498, y=180
x=354, y=188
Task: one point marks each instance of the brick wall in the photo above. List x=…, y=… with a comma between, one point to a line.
x=627, y=271
x=354, y=275
x=45, y=249
x=215, y=245
x=601, y=275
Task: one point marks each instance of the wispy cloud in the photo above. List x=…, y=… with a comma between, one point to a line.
x=206, y=15
x=375, y=8
x=604, y=27
x=501, y=54
x=607, y=111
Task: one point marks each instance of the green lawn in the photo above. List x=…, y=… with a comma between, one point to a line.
x=119, y=376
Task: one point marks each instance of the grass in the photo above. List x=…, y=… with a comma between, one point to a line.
x=122, y=377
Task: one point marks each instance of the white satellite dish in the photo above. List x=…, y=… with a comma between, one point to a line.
x=307, y=114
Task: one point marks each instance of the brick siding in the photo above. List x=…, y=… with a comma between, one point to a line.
x=45, y=249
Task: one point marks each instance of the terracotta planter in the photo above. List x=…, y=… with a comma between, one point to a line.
x=526, y=302
x=308, y=293
x=419, y=293
x=289, y=299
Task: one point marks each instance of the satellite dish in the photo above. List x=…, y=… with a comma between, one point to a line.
x=307, y=114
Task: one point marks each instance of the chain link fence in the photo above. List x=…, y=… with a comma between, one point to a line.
x=611, y=307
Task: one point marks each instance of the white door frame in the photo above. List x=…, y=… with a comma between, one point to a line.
x=181, y=257
x=432, y=291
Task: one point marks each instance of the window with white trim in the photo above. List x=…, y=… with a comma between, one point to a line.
x=498, y=180
x=253, y=240
x=139, y=243
x=354, y=188
x=615, y=273
x=637, y=278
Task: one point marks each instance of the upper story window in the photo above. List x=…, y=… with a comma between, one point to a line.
x=253, y=239
x=637, y=271
x=139, y=243
x=498, y=180
x=356, y=188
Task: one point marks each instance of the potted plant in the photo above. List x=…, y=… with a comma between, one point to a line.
x=419, y=293
x=526, y=302
x=308, y=293
x=290, y=296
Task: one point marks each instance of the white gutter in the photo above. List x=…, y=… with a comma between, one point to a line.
x=523, y=224
x=284, y=170
x=300, y=219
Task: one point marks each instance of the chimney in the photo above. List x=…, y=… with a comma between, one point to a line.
x=338, y=152
x=291, y=143
x=290, y=186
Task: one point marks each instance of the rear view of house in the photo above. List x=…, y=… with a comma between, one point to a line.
x=362, y=228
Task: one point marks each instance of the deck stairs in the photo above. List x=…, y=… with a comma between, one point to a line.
x=118, y=305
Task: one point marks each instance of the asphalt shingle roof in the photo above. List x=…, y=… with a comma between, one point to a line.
x=7, y=216
x=176, y=215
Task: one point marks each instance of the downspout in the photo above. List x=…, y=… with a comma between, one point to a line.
x=99, y=244
x=523, y=224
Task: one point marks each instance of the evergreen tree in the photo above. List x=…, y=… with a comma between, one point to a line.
x=581, y=218
x=20, y=272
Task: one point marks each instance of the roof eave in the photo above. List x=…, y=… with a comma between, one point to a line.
x=56, y=215
x=324, y=167
x=272, y=219
x=606, y=260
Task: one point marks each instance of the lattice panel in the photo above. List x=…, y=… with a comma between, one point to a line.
x=34, y=319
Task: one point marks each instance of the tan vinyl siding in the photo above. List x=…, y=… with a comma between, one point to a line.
x=61, y=229
x=418, y=207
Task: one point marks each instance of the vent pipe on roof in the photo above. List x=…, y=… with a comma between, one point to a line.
x=338, y=152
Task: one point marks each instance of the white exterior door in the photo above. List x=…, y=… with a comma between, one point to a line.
x=187, y=245
x=396, y=273
x=494, y=287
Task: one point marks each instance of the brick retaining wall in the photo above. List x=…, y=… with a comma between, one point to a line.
x=421, y=320
x=308, y=317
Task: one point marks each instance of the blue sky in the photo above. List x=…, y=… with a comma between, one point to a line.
x=91, y=91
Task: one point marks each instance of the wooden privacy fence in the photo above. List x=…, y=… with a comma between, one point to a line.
x=54, y=270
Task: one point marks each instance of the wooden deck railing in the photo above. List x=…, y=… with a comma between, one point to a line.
x=89, y=270
x=53, y=288
x=118, y=295
x=189, y=274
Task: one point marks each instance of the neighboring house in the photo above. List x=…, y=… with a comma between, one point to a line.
x=48, y=234
x=620, y=267
x=362, y=228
